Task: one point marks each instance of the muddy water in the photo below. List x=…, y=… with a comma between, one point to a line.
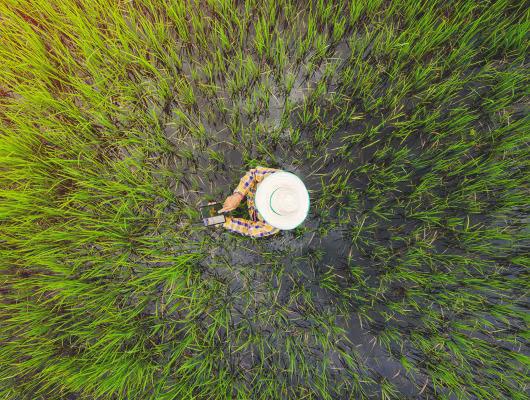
x=258, y=274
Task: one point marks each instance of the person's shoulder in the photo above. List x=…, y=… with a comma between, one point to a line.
x=263, y=172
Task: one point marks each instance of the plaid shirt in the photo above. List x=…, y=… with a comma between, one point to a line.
x=256, y=226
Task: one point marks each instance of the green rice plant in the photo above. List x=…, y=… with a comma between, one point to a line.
x=405, y=119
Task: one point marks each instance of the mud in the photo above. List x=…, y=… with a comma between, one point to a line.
x=260, y=274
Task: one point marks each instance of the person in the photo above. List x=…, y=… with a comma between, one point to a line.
x=277, y=200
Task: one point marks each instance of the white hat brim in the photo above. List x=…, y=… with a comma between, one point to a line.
x=263, y=195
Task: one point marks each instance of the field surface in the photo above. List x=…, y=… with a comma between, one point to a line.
x=408, y=122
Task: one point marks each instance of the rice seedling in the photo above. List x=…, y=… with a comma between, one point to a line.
x=408, y=122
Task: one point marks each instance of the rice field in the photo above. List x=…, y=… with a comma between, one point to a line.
x=408, y=122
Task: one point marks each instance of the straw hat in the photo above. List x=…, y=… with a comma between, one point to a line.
x=282, y=200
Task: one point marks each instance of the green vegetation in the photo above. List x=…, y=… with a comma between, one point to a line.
x=407, y=119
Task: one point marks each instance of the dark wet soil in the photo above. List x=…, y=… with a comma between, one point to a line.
x=272, y=268
x=341, y=232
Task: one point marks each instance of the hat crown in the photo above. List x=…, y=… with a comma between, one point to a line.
x=284, y=201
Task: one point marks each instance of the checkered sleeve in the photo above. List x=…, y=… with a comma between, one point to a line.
x=252, y=177
x=249, y=228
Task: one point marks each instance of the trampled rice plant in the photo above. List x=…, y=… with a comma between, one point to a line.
x=408, y=121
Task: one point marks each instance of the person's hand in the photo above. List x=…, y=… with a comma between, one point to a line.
x=231, y=203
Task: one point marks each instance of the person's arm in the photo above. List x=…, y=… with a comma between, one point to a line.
x=255, y=175
x=246, y=227
x=246, y=182
x=252, y=177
